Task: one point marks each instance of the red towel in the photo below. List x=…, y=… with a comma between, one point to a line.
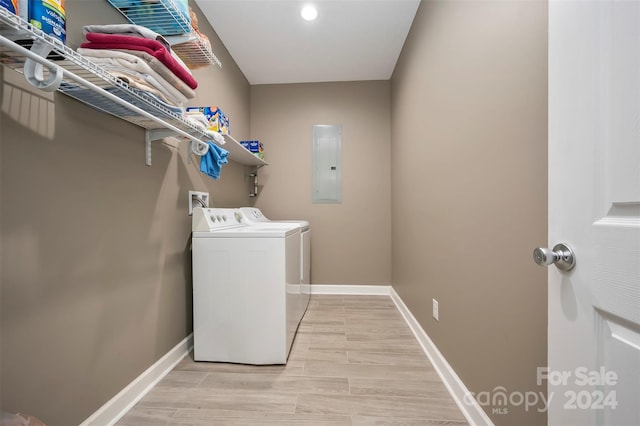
x=152, y=47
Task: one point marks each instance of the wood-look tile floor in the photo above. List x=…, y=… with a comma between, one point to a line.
x=354, y=362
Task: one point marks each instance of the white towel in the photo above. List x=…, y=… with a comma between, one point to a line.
x=135, y=56
x=217, y=137
x=167, y=92
x=199, y=120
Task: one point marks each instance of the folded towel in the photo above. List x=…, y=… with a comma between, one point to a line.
x=212, y=161
x=137, y=68
x=217, y=137
x=133, y=30
x=152, y=62
x=152, y=47
x=130, y=30
x=138, y=82
x=199, y=120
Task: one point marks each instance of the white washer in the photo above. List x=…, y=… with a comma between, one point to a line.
x=246, y=288
x=254, y=215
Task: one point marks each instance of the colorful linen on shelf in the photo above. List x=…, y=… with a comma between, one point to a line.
x=130, y=30
x=152, y=47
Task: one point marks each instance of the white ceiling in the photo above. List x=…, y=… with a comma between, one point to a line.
x=351, y=40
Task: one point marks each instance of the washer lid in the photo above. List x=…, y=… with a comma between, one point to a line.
x=250, y=232
x=304, y=224
x=254, y=215
x=272, y=224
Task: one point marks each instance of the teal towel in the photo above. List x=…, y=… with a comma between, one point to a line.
x=212, y=161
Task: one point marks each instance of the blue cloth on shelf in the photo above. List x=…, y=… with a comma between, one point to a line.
x=212, y=161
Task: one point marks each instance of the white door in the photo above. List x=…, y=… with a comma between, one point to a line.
x=594, y=207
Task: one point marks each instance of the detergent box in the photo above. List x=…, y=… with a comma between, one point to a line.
x=224, y=124
x=255, y=147
x=218, y=120
x=11, y=5
x=17, y=7
x=49, y=16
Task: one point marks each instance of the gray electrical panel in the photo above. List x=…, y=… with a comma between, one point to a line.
x=327, y=163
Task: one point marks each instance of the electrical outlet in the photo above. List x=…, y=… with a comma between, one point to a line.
x=435, y=309
x=196, y=199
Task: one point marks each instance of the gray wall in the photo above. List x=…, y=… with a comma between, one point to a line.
x=351, y=241
x=448, y=160
x=469, y=168
x=95, y=246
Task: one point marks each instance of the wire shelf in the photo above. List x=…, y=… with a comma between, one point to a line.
x=92, y=85
x=166, y=17
x=162, y=16
x=194, y=50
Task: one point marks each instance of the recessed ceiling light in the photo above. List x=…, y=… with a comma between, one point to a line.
x=309, y=13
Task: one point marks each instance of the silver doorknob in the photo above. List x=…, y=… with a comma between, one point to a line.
x=561, y=255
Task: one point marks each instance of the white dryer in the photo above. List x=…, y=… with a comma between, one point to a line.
x=246, y=288
x=254, y=215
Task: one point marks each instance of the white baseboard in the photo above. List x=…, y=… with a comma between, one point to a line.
x=470, y=408
x=116, y=407
x=363, y=290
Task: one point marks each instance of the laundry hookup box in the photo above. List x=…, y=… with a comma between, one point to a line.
x=255, y=147
x=218, y=120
